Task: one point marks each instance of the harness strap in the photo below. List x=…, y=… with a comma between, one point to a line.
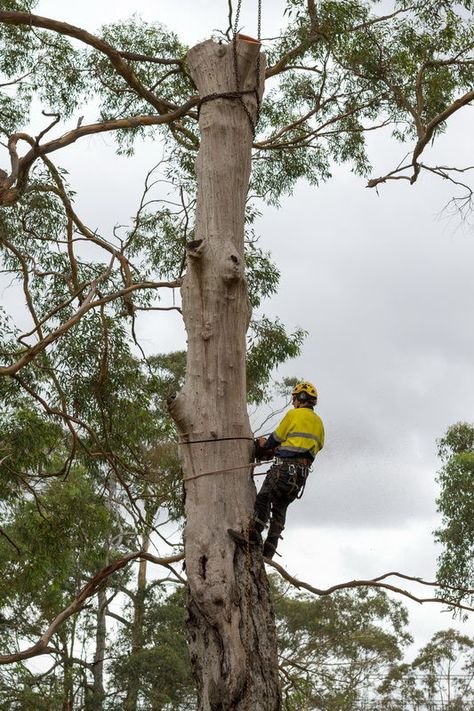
x=295, y=468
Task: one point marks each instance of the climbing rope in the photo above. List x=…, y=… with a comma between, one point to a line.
x=213, y=439
x=250, y=465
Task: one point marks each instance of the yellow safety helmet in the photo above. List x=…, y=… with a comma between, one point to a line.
x=305, y=391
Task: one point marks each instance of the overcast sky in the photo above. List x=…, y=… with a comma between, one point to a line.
x=384, y=286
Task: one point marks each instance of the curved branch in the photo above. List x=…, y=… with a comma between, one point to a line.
x=42, y=645
x=425, y=133
x=86, y=305
x=375, y=583
x=316, y=34
x=433, y=125
x=21, y=166
x=114, y=124
x=116, y=59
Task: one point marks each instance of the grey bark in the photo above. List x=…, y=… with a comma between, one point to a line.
x=231, y=627
x=98, y=693
x=68, y=682
x=134, y=680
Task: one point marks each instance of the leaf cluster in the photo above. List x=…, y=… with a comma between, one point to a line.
x=268, y=345
x=333, y=648
x=162, y=664
x=456, y=504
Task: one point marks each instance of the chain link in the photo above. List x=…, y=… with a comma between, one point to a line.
x=253, y=123
x=239, y=93
x=259, y=37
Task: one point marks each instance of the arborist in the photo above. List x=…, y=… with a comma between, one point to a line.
x=294, y=444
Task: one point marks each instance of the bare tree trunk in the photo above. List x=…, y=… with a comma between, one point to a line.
x=134, y=680
x=68, y=685
x=231, y=626
x=98, y=693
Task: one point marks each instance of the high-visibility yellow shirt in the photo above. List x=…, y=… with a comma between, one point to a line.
x=299, y=434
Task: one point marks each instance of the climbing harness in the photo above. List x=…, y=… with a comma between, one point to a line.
x=295, y=474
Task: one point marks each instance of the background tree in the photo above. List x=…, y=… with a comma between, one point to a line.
x=60, y=541
x=334, y=652
x=162, y=665
x=456, y=504
x=440, y=676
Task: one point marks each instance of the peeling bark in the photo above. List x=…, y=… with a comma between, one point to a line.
x=231, y=627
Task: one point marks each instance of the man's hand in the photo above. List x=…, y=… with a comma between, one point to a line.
x=261, y=454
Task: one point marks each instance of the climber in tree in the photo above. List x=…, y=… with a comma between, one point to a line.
x=295, y=442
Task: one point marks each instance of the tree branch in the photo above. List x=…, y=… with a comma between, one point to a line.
x=376, y=583
x=88, y=304
x=21, y=166
x=116, y=58
x=433, y=125
x=42, y=645
x=10, y=541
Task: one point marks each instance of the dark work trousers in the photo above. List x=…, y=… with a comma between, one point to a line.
x=282, y=485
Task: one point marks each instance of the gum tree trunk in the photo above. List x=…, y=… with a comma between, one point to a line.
x=231, y=626
x=137, y=632
x=98, y=694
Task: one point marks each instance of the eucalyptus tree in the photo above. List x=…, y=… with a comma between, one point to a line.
x=60, y=541
x=335, y=652
x=161, y=665
x=337, y=70
x=440, y=676
x=456, y=505
x=64, y=518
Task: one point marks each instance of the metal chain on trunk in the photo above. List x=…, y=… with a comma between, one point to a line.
x=239, y=93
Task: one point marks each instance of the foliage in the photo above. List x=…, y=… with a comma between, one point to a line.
x=162, y=664
x=268, y=345
x=456, y=504
x=439, y=676
x=333, y=649
x=55, y=538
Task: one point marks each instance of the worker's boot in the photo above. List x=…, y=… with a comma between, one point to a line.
x=251, y=537
x=269, y=547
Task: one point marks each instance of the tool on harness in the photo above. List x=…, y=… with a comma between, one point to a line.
x=296, y=474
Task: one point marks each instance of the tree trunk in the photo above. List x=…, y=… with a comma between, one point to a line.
x=231, y=626
x=134, y=678
x=98, y=694
x=68, y=684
